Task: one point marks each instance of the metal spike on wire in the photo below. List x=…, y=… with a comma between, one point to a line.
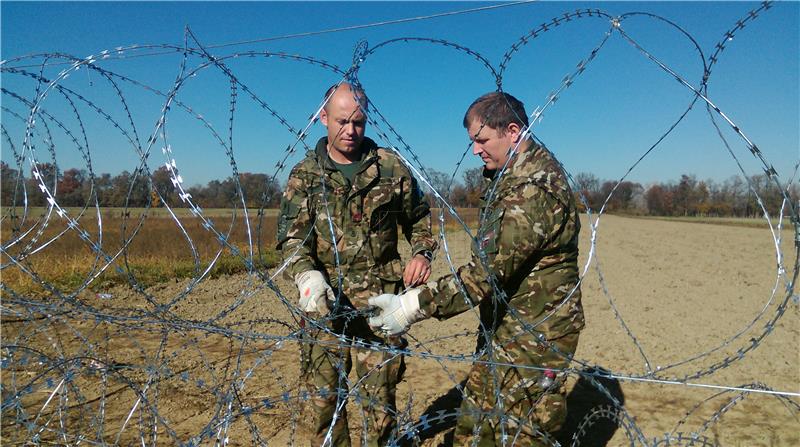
x=80, y=367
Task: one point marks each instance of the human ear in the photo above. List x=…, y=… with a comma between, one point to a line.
x=514, y=131
x=323, y=117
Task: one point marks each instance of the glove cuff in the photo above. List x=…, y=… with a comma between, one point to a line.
x=411, y=308
x=304, y=278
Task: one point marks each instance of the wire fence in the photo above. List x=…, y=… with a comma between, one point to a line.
x=202, y=361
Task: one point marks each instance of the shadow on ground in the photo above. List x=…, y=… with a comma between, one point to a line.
x=583, y=401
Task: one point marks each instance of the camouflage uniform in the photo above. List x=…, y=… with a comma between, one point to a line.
x=364, y=217
x=529, y=235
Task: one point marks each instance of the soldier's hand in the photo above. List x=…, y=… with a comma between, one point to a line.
x=398, y=312
x=417, y=271
x=314, y=292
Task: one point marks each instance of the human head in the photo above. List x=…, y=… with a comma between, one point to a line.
x=494, y=123
x=344, y=116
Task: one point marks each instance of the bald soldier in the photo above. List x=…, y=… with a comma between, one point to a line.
x=338, y=229
x=529, y=299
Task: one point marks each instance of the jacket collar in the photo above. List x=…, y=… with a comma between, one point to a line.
x=367, y=173
x=368, y=148
x=519, y=159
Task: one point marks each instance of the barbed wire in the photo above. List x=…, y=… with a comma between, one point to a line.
x=81, y=367
x=320, y=32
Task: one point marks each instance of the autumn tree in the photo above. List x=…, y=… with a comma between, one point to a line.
x=587, y=191
x=11, y=186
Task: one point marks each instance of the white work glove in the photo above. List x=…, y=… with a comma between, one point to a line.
x=398, y=312
x=314, y=292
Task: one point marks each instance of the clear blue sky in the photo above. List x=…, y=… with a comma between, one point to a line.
x=602, y=124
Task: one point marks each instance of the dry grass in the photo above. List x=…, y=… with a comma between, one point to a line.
x=470, y=216
x=158, y=250
x=148, y=246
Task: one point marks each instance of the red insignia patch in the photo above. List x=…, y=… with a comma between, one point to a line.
x=486, y=239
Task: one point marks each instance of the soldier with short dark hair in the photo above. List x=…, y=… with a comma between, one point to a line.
x=338, y=229
x=524, y=278
x=496, y=110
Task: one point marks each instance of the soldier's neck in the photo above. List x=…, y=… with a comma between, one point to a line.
x=342, y=158
x=524, y=145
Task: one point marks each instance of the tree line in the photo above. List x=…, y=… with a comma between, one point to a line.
x=688, y=196
x=73, y=187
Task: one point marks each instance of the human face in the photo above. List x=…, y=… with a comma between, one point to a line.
x=492, y=147
x=346, y=124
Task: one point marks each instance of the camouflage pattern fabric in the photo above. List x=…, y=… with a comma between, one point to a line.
x=378, y=372
x=362, y=219
x=506, y=405
x=528, y=236
x=323, y=217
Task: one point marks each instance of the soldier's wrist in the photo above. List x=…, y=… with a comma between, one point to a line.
x=426, y=301
x=427, y=254
x=300, y=267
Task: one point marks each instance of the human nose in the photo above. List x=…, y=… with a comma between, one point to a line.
x=476, y=149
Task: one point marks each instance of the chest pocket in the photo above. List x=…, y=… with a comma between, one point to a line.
x=383, y=206
x=327, y=207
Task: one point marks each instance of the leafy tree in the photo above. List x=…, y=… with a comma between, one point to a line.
x=163, y=185
x=11, y=186
x=659, y=200
x=620, y=196
x=684, y=194
x=70, y=190
x=47, y=174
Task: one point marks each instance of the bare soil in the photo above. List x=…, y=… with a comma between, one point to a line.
x=222, y=362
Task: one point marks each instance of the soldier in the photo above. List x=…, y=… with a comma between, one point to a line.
x=338, y=230
x=529, y=298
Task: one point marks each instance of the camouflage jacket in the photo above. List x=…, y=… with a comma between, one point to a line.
x=529, y=236
x=364, y=218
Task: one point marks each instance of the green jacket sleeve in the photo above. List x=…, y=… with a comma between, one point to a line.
x=513, y=238
x=296, y=236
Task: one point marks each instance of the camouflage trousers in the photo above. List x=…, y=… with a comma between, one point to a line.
x=506, y=405
x=327, y=363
